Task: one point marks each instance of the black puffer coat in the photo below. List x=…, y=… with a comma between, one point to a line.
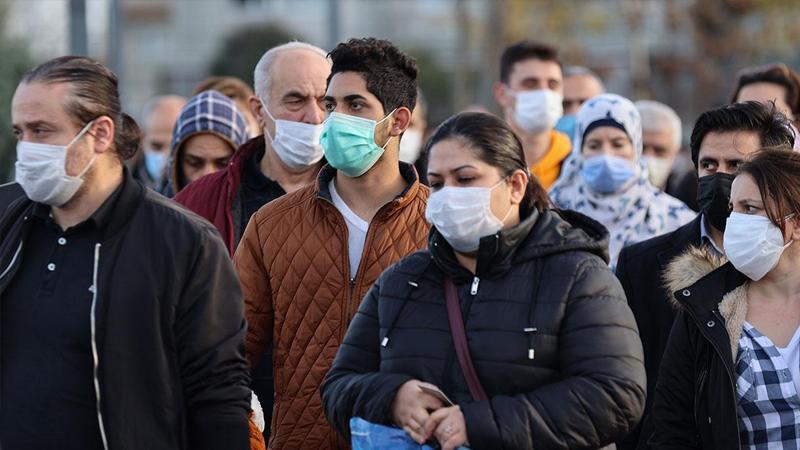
x=585, y=387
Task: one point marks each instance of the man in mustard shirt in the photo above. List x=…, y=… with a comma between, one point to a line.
x=530, y=91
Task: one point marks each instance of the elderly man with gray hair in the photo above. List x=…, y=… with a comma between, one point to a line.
x=290, y=83
x=661, y=136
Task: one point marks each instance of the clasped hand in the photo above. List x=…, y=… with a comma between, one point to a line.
x=423, y=415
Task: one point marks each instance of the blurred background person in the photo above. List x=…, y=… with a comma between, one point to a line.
x=580, y=84
x=661, y=143
x=290, y=87
x=730, y=377
x=548, y=327
x=209, y=130
x=605, y=179
x=530, y=92
x=158, y=120
x=722, y=138
x=772, y=82
x=411, y=145
x=238, y=91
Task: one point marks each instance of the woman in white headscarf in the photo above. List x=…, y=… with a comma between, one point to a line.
x=605, y=179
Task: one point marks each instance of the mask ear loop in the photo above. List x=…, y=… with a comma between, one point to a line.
x=380, y=122
x=791, y=241
x=508, y=211
x=274, y=122
x=83, y=131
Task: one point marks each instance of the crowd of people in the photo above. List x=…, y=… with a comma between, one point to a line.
x=306, y=265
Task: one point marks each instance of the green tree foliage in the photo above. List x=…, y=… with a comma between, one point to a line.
x=15, y=62
x=241, y=50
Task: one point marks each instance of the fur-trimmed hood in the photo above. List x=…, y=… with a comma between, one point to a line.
x=690, y=268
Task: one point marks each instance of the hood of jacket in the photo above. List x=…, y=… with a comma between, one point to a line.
x=701, y=281
x=208, y=112
x=539, y=235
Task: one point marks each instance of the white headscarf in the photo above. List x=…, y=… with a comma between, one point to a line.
x=638, y=211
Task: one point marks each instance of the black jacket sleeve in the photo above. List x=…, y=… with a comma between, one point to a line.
x=209, y=330
x=602, y=391
x=354, y=386
x=673, y=406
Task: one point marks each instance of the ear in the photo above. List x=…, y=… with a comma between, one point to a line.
x=518, y=182
x=501, y=95
x=795, y=223
x=258, y=111
x=401, y=121
x=102, y=130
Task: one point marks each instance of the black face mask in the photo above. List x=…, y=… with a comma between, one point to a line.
x=714, y=196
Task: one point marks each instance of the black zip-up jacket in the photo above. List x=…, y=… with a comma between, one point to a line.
x=695, y=405
x=168, y=325
x=552, y=338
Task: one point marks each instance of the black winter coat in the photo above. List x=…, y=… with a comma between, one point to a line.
x=585, y=386
x=640, y=269
x=695, y=405
x=169, y=324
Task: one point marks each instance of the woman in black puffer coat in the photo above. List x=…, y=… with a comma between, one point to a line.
x=553, y=342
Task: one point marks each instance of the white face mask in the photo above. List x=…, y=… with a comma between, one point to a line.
x=295, y=143
x=41, y=171
x=753, y=244
x=410, y=146
x=659, y=170
x=463, y=215
x=538, y=111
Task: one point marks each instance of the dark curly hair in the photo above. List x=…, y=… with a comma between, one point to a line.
x=391, y=75
x=93, y=93
x=772, y=127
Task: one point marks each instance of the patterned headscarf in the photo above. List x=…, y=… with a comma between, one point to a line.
x=208, y=112
x=638, y=211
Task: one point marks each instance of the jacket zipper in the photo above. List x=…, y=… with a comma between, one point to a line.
x=719, y=353
x=13, y=260
x=475, y=283
x=95, y=356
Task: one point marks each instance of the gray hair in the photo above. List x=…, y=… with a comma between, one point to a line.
x=580, y=71
x=657, y=116
x=262, y=76
x=155, y=102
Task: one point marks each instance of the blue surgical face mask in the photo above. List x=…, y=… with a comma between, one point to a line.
x=607, y=174
x=154, y=162
x=566, y=125
x=349, y=143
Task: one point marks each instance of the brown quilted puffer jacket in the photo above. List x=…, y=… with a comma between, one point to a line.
x=299, y=295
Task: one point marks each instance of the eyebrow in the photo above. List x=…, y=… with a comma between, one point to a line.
x=295, y=94
x=750, y=202
x=465, y=166
x=33, y=124
x=348, y=98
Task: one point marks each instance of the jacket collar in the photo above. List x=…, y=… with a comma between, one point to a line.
x=408, y=172
x=239, y=161
x=495, y=253
x=703, y=282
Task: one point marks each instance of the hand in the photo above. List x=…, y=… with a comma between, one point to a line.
x=448, y=427
x=411, y=408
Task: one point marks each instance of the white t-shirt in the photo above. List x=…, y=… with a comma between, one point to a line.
x=791, y=354
x=356, y=230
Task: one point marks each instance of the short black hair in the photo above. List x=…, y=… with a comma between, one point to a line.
x=773, y=128
x=523, y=50
x=777, y=73
x=391, y=75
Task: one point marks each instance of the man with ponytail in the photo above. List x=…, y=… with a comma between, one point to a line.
x=121, y=318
